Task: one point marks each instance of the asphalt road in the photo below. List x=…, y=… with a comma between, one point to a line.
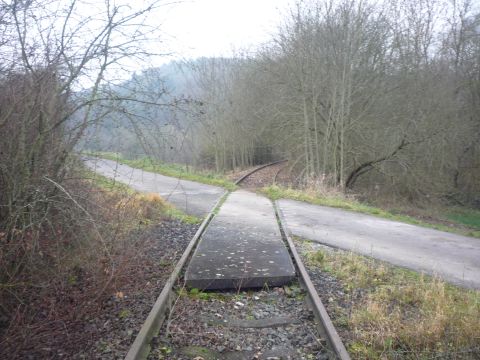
x=452, y=257
x=191, y=197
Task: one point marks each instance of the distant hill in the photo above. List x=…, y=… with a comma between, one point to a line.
x=155, y=122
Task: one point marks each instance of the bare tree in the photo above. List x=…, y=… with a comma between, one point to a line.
x=361, y=94
x=57, y=61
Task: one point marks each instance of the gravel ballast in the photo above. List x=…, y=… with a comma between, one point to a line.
x=105, y=328
x=336, y=299
x=269, y=324
x=123, y=316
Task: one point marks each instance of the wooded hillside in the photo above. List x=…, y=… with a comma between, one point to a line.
x=377, y=97
x=383, y=97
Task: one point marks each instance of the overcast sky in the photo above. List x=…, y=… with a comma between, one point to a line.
x=216, y=27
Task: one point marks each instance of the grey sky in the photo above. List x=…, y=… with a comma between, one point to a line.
x=216, y=27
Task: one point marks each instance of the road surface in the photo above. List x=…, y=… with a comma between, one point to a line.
x=452, y=257
x=191, y=197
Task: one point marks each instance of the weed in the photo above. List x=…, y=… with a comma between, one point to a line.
x=197, y=294
x=398, y=313
x=294, y=291
x=164, y=263
x=123, y=314
x=317, y=257
x=165, y=350
x=72, y=280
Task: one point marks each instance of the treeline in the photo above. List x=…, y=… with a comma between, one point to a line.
x=151, y=118
x=355, y=94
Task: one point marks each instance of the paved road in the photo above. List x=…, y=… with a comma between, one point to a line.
x=191, y=197
x=453, y=257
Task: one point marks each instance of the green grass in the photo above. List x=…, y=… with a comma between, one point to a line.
x=462, y=217
x=198, y=294
x=174, y=170
x=107, y=184
x=398, y=313
x=468, y=218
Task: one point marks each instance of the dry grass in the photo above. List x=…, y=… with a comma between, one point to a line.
x=399, y=314
x=146, y=206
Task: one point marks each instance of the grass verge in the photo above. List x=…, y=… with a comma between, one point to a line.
x=394, y=313
x=174, y=170
x=469, y=218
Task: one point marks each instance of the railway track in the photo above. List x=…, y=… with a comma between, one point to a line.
x=288, y=322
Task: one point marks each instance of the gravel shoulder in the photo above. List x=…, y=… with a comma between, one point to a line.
x=106, y=328
x=123, y=315
x=335, y=297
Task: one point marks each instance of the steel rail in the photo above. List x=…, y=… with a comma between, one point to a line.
x=325, y=325
x=257, y=169
x=141, y=346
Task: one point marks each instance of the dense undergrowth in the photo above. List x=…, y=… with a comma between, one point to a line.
x=399, y=314
x=74, y=261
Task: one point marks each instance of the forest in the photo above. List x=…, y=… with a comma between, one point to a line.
x=380, y=98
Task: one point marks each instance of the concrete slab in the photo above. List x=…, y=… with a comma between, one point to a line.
x=452, y=257
x=189, y=196
x=241, y=248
